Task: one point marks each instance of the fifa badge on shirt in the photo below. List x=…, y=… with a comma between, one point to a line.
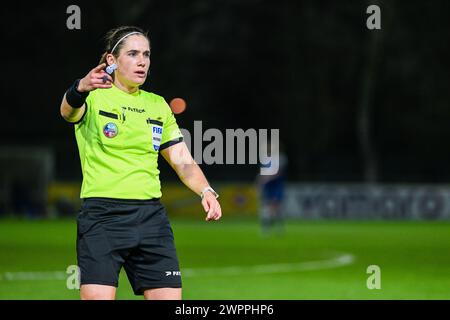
x=110, y=130
x=156, y=136
x=157, y=130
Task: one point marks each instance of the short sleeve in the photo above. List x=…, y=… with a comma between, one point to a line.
x=171, y=132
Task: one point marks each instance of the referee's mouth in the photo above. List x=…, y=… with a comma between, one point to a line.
x=141, y=74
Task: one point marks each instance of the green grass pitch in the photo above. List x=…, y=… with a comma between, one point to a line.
x=231, y=260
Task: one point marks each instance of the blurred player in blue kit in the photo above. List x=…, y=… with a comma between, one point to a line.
x=271, y=189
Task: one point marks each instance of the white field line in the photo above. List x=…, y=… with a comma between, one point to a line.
x=340, y=260
x=33, y=276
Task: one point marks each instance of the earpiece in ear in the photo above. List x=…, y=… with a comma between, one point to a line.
x=110, y=69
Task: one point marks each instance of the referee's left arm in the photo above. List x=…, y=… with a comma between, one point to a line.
x=180, y=159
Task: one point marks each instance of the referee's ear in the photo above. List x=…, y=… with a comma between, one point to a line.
x=109, y=59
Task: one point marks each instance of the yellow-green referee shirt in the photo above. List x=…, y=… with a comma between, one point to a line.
x=119, y=137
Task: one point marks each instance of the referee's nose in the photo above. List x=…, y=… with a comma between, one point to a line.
x=142, y=61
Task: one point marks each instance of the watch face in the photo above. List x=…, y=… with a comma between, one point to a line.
x=210, y=190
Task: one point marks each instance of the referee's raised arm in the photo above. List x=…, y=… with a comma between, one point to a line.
x=73, y=103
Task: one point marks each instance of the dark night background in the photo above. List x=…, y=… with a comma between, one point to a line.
x=310, y=68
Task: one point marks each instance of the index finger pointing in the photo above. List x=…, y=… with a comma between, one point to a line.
x=100, y=67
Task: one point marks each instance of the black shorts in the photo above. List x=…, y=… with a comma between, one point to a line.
x=135, y=234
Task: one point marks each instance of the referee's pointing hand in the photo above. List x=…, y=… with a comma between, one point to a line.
x=94, y=79
x=212, y=207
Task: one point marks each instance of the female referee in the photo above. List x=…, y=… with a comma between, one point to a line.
x=120, y=129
